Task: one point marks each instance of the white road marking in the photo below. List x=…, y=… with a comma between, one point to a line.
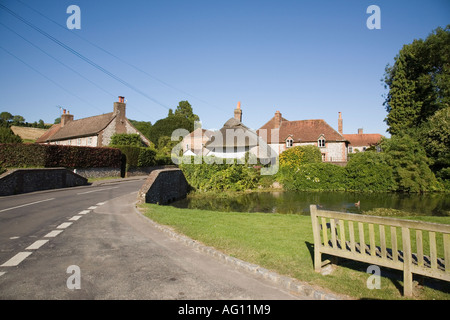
x=2, y=273
x=27, y=204
x=18, y=258
x=75, y=218
x=100, y=203
x=84, y=212
x=64, y=225
x=53, y=233
x=97, y=190
x=92, y=208
x=13, y=238
x=37, y=244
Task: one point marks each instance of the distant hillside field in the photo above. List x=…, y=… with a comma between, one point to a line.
x=27, y=133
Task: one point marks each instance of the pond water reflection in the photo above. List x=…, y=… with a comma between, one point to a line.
x=437, y=204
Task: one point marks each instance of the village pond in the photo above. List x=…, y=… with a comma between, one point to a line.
x=296, y=202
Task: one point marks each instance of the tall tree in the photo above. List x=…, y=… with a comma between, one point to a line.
x=418, y=82
x=184, y=109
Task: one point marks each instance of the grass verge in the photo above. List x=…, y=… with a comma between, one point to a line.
x=284, y=244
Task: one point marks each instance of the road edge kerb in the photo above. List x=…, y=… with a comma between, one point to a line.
x=280, y=280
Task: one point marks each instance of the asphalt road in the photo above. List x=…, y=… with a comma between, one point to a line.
x=90, y=243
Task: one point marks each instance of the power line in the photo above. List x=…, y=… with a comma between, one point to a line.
x=92, y=63
x=54, y=58
x=116, y=57
x=49, y=79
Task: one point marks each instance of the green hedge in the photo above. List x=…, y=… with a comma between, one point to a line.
x=218, y=177
x=141, y=156
x=313, y=176
x=37, y=155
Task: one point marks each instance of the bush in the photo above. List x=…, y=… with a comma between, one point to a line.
x=294, y=157
x=8, y=136
x=126, y=139
x=369, y=171
x=213, y=176
x=314, y=177
x=147, y=157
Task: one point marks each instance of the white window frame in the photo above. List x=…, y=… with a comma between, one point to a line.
x=289, y=142
x=321, y=142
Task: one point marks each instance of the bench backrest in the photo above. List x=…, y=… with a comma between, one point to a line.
x=376, y=240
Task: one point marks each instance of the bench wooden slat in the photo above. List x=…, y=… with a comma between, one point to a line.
x=387, y=221
x=382, y=242
x=394, y=244
x=352, y=236
x=433, y=254
x=407, y=262
x=325, y=232
x=362, y=240
x=333, y=232
x=447, y=252
x=419, y=242
x=372, y=240
x=342, y=231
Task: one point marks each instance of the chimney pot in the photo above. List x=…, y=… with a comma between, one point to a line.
x=121, y=99
x=360, y=131
x=238, y=112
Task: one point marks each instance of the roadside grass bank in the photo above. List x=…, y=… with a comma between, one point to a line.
x=283, y=243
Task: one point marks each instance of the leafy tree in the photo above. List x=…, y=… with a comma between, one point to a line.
x=5, y=118
x=369, y=171
x=18, y=120
x=8, y=136
x=436, y=140
x=144, y=127
x=418, y=82
x=184, y=109
x=410, y=164
x=166, y=126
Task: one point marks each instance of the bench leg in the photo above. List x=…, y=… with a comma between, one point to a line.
x=407, y=284
x=317, y=261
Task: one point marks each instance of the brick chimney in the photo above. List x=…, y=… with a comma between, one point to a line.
x=119, y=112
x=340, y=124
x=238, y=112
x=277, y=123
x=360, y=131
x=119, y=108
x=66, y=118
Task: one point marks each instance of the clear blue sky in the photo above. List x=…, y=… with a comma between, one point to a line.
x=307, y=59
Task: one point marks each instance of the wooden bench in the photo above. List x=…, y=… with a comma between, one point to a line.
x=337, y=234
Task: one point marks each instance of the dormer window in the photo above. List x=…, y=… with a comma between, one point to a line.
x=321, y=142
x=289, y=142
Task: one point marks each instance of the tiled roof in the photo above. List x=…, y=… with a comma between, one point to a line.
x=363, y=139
x=78, y=128
x=301, y=131
x=50, y=132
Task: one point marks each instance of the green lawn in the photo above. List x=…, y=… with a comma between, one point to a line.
x=284, y=244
